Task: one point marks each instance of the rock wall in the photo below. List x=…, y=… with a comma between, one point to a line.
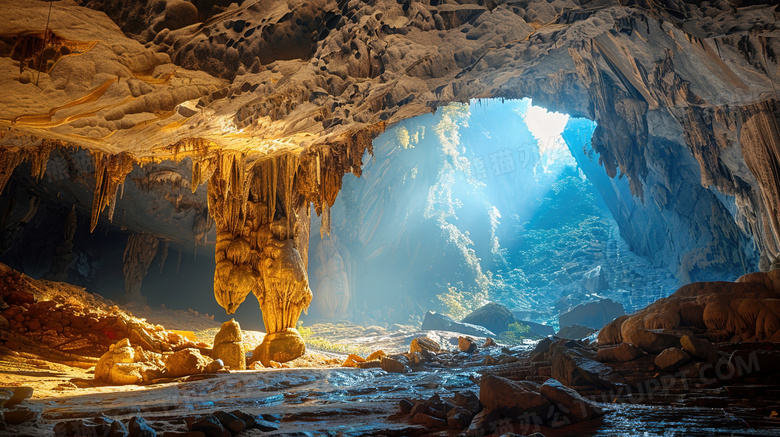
x=663, y=81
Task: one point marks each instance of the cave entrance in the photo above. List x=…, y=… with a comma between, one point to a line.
x=487, y=201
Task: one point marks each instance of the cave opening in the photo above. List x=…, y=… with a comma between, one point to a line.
x=489, y=201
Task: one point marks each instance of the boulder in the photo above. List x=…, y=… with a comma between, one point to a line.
x=610, y=333
x=595, y=280
x=424, y=344
x=393, y=366
x=574, y=370
x=440, y=322
x=592, y=314
x=180, y=13
x=699, y=348
x=229, y=347
x=575, y=332
x=511, y=398
x=619, y=354
x=467, y=400
x=491, y=316
x=466, y=344
x=185, y=362
x=575, y=407
x=671, y=359
x=459, y=418
x=117, y=366
x=137, y=427
x=538, y=328
x=281, y=347
x=654, y=342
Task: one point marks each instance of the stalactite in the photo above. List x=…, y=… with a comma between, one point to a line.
x=139, y=253
x=11, y=157
x=760, y=142
x=110, y=172
x=178, y=263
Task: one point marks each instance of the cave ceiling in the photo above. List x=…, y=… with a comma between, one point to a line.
x=274, y=99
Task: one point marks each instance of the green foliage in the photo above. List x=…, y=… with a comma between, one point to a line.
x=460, y=303
x=516, y=334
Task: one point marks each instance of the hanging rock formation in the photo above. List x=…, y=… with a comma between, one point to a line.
x=259, y=214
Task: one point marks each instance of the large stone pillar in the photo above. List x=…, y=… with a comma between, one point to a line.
x=261, y=220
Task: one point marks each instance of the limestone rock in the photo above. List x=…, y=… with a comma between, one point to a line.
x=574, y=332
x=671, y=359
x=281, y=347
x=654, y=342
x=439, y=322
x=137, y=427
x=393, y=366
x=511, y=398
x=466, y=344
x=492, y=316
x=574, y=370
x=185, y=362
x=592, y=314
x=699, y=348
x=575, y=407
x=425, y=344
x=117, y=366
x=228, y=346
x=621, y=353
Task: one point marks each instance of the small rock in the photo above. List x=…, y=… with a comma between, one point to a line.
x=352, y=360
x=137, y=427
x=623, y=352
x=459, y=418
x=489, y=342
x=468, y=400
x=492, y=316
x=231, y=422
x=376, y=355
x=574, y=406
x=272, y=417
x=654, y=342
x=393, y=366
x=20, y=415
x=210, y=426
x=671, y=359
x=228, y=346
x=483, y=422
x=265, y=426
x=405, y=405
x=466, y=344
x=428, y=421
x=19, y=395
x=185, y=362
x=511, y=398
x=248, y=419
x=421, y=344
x=699, y=348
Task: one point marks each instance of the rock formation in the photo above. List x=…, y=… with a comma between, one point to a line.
x=273, y=103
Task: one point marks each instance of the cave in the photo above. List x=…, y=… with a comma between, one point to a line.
x=389, y=218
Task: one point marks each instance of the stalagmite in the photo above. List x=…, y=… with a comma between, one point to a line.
x=139, y=253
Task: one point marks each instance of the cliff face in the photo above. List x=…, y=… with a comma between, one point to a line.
x=673, y=86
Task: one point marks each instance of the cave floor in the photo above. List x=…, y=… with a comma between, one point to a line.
x=330, y=401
